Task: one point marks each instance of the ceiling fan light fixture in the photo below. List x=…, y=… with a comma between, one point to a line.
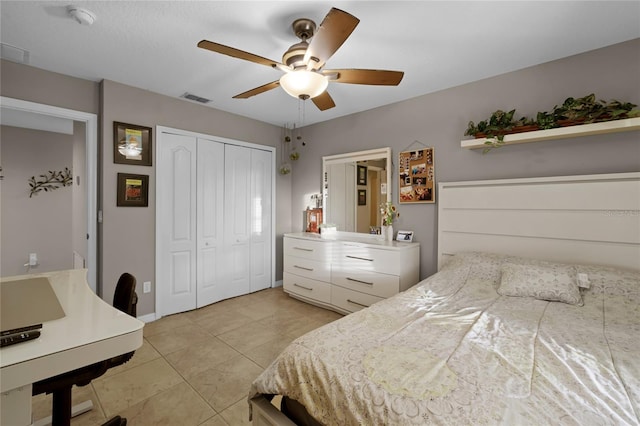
x=304, y=84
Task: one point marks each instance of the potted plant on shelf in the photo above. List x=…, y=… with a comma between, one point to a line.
x=498, y=125
x=573, y=111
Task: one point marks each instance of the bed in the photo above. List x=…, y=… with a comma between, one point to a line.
x=532, y=318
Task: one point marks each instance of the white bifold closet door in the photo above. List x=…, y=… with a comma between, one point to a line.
x=213, y=214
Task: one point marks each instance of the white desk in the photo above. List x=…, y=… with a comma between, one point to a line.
x=91, y=331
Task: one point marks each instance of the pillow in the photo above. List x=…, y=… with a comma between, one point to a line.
x=541, y=280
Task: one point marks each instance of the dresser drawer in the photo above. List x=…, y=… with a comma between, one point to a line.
x=313, y=269
x=312, y=289
x=351, y=256
x=350, y=300
x=307, y=249
x=374, y=283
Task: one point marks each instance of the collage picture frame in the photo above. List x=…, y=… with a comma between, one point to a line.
x=416, y=178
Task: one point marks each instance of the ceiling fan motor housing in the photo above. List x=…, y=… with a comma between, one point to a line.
x=304, y=28
x=294, y=56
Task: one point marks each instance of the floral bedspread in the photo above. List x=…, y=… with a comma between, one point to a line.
x=451, y=350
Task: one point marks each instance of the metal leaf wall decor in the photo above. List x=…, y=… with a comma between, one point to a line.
x=50, y=182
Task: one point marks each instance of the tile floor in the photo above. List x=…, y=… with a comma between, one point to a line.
x=195, y=368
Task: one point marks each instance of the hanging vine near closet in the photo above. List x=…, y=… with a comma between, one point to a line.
x=50, y=182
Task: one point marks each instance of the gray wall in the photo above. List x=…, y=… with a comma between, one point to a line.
x=41, y=224
x=440, y=119
x=128, y=233
x=437, y=119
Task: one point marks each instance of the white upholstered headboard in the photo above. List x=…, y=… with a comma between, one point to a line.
x=591, y=219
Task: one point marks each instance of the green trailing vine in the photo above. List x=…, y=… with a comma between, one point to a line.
x=573, y=111
x=50, y=182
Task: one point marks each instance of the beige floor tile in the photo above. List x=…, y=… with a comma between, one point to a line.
x=178, y=338
x=130, y=387
x=201, y=356
x=178, y=405
x=259, y=309
x=238, y=413
x=215, y=421
x=41, y=406
x=226, y=383
x=264, y=354
x=222, y=321
x=165, y=324
x=291, y=323
x=249, y=336
x=183, y=375
x=144, y=353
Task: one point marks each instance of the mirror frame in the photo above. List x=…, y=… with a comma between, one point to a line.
x=354, y=157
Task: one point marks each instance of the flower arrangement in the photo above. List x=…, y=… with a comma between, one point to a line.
x=388, y=212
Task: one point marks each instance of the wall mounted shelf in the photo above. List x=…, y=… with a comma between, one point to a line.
x=614, y=126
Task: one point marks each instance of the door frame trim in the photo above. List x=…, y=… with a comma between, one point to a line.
x=91, y=160
x=160, y=131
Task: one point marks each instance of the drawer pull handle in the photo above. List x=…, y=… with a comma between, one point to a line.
x=358, y=281
x=302, y=267
x=302, y=248
x=301, y=286
x=356, y=303
x=360, y=258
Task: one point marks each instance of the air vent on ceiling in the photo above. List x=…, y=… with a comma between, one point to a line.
x=14, y=54
x=195, y=98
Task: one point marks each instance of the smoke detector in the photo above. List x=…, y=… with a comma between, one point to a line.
x=81, y=15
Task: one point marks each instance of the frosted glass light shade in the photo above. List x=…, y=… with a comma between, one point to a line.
x=304, y=84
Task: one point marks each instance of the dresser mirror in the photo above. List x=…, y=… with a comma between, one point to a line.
x=353, y=187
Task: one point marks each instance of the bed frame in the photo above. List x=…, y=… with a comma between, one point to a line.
x=581, y=219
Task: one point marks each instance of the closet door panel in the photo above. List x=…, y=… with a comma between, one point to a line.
x=237, y=214
x=176, y=198
x=260, y=201
x=210, y=220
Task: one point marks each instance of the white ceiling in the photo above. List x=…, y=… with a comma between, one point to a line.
x=438, y=44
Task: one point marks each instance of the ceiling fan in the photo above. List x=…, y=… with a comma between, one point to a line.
x=303, y=63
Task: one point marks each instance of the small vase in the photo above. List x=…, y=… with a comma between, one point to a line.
x=387, y=232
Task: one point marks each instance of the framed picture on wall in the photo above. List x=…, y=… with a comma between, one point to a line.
x=362, y=175
x=362, y=197
x=417, y=176
x=131, y=144
x=133, y=190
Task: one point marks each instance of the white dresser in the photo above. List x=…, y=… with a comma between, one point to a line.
x=347, y=272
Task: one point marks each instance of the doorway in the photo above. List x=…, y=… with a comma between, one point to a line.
x=23, y=108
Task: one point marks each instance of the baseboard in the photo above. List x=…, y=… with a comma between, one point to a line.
x=277, y=284
x=148, y=318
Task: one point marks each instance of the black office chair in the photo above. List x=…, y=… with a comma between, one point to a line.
x=124, y=299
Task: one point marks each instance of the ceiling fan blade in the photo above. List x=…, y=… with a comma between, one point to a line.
x=237, y=53
x=335, y=28
x=360, y=76
x=323, y=101
x=258, y=90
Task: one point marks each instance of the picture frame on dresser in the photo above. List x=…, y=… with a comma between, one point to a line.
x=404, y=236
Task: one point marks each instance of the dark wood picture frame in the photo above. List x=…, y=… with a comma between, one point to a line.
x=362, y=197
x=362, y=175
x=143, y=135
x=133, y=190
